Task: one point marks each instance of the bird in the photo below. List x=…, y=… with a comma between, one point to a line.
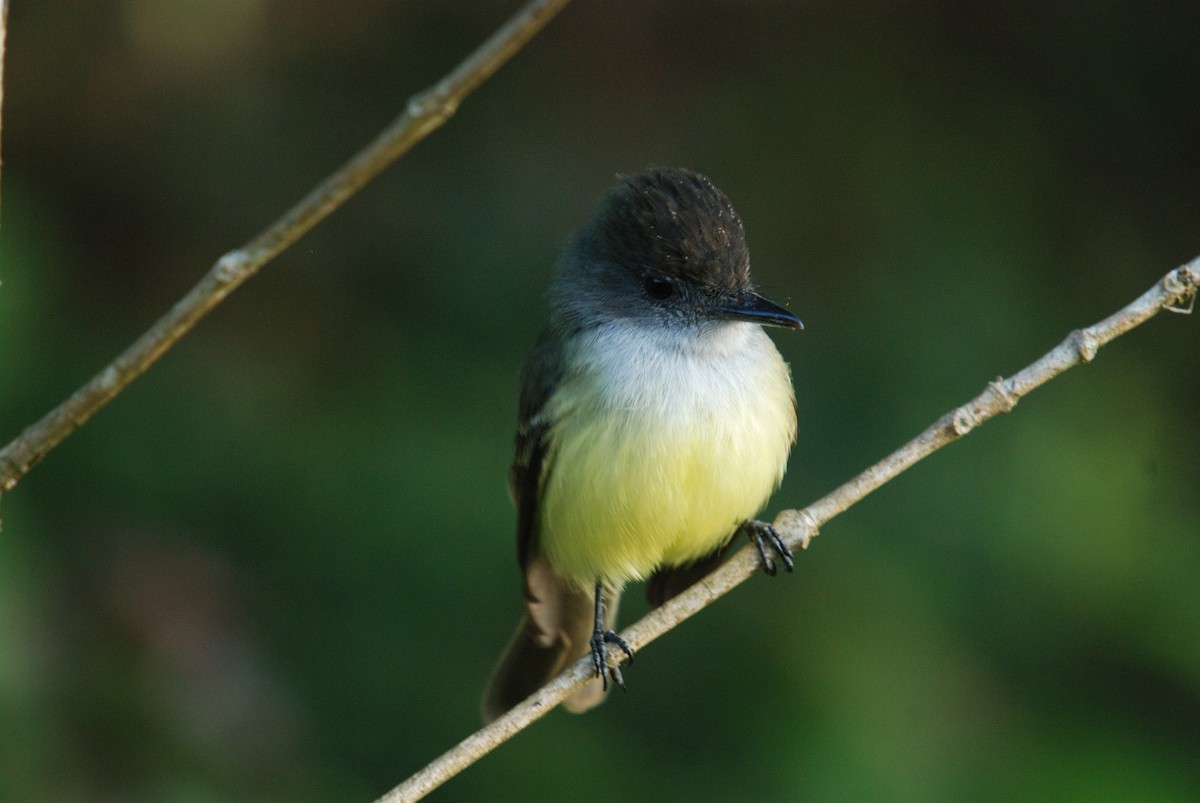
x=655, y=419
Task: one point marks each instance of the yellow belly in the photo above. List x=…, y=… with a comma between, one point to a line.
x=656, y=461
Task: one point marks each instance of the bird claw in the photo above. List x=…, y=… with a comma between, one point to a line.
x=600, y=642
x=764, y=536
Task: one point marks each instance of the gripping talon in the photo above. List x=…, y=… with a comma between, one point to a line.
x=600, y=642
x=615, y=672
x=781, y=549
x=762, y=534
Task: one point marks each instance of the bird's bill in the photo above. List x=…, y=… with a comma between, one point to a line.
x=754, y=308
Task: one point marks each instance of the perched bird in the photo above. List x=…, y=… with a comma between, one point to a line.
x=655, y=419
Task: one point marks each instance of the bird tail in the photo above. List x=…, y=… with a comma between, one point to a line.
x=535, y=654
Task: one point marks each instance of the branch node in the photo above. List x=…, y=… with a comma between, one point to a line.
x=799, y=527
x=964, y=419
x=1182, y=284
x=997, y=397
x=435, y=105
x=109, y=378
x=1006, y=400
x=1085, y=344
x=231, y=267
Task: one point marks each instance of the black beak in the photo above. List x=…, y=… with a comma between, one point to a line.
x=748, y=306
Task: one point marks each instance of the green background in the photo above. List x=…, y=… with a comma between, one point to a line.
x=280, y=565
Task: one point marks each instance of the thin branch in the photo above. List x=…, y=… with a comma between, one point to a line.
x=1175, y=292
x=424, y=113
x=3, y=37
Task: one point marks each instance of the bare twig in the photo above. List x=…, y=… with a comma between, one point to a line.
x=424, y=113
x=3, y=37
x=1175, y=292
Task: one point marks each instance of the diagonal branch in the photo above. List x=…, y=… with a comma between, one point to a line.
x=424, y=113
x=1175, y=292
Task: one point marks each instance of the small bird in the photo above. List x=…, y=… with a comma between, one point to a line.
x=655, y=419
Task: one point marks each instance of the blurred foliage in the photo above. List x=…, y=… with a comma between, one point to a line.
x=280, y=565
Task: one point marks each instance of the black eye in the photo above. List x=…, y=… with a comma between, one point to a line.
x=659, y=287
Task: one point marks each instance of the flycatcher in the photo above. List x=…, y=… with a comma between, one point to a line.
x=655, y=419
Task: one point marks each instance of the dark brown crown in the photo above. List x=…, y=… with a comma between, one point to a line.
x=675, y=222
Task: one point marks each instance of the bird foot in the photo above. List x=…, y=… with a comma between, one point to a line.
x=764, y=537
x=600, y=641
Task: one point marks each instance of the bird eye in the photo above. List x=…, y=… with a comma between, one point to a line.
x=659, y=287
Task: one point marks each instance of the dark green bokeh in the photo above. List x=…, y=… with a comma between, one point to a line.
x=280, y=565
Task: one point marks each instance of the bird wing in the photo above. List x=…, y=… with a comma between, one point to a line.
x=539, y=376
